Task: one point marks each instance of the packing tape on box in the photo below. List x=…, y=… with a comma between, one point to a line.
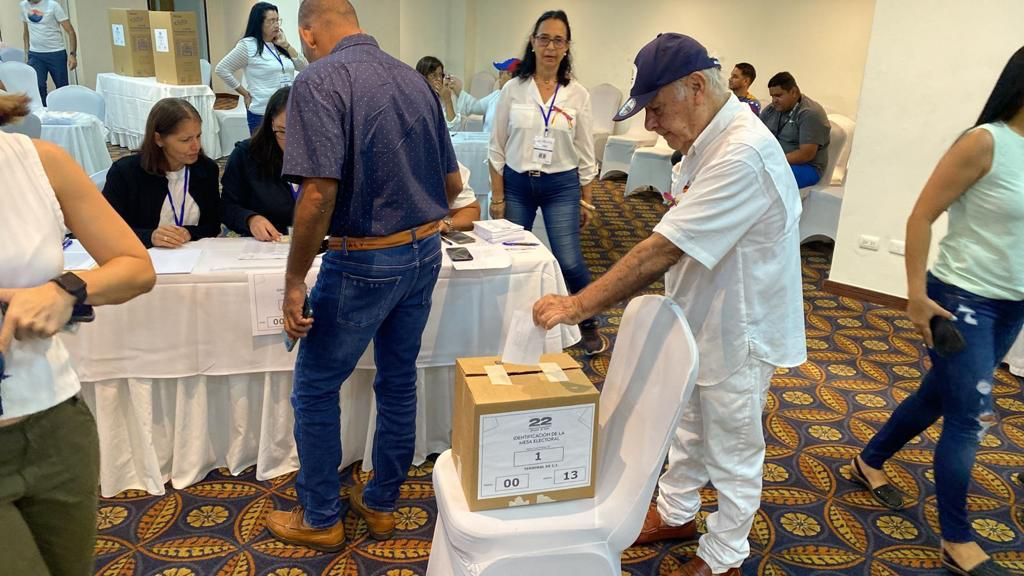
x=553, y=372
x=497, y=375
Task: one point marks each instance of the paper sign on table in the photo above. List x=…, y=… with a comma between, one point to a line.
x=174, y=260
x=266, y=297
x=524, y=342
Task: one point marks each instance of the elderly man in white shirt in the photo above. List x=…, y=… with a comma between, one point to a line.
x=730, y=252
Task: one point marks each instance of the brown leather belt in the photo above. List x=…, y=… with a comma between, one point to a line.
x=380, y=242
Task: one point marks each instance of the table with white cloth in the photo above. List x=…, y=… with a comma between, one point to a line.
x=180, y=386
x=81, y=135
x=1015, y=358
x=130, y=99
x=471, y=149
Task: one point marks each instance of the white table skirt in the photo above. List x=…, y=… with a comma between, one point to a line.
x=471, y=149
x=130, y=99
x=191, y=389
x=1016, y=356
x=81, y=135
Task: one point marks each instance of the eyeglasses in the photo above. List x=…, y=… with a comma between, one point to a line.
x=273, y=21
x=543, y=41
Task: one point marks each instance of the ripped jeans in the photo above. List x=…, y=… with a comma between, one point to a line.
x=958, y=388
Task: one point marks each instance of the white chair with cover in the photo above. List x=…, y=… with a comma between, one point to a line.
x=205, y=71
x=12, y=54
x=651, y=166
x=234, y=127
x=604, y=103
x=650, y=378
x=74, y=98
x=839, y=173
x=823, y=202
x=20, y=77
x=99, y=178
x=618, y=151
x=30, y=126
x=482, y=84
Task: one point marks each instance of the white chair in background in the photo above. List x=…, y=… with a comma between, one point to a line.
x=604, y=103
x=205, y=71
x=234, y=126
x=839, y=174
x=482, y=84
x=30, y=126
x=99, y=179
x=618, y=151
x=651, y=166
x=823, y=202
x=12, y=54
x=20, y=77
x=73, y=98
x=650, y=378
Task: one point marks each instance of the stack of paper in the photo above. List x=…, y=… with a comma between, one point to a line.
x=495, y=231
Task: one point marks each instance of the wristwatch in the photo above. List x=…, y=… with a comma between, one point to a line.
x=72, y=284
x=448, y=222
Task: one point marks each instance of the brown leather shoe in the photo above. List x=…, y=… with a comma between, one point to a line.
x=289, y=526
x=380, y=524
x=698, y=567
x=655, y=529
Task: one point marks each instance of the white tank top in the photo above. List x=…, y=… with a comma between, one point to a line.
x=39, y=372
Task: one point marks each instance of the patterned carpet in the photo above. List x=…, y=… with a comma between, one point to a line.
x=864, y=359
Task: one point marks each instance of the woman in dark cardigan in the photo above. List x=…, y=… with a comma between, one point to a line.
x=168, y=191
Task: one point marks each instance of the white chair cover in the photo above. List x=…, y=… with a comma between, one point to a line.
x=839, y=174
x=20, y=77
x=604, y=102
x=823, y=202
x=482, y=84
x=99, y=178
x=618, y=151
x=12, y=54
x=73, y=98
x=651, y=166
x=1015, y=358
x=30, y=126
x=234, y=126
x=205, y=71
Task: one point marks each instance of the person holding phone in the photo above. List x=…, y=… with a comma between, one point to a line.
x=977, y=282
x=542, y=154
x=49, y=451
x=433, y=70
x=267, y=59
x=168, y=191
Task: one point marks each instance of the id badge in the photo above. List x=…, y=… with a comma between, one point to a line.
x=543, y=149
x=286, y=80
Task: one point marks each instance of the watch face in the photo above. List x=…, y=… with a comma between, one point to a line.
x=72, y=284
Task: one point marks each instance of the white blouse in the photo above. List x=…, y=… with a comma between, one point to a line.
x=183, y=202
x=39, y=372
x=264, y=74
x=518, y=118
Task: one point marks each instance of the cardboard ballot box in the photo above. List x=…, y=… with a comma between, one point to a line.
x=132, y=42
x=524, y=434
x=176, y=47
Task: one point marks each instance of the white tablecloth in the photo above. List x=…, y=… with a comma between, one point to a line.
x=81, y=135
x=179, y=385
x=471, y=150
x=129, y=101
x=1016, y=356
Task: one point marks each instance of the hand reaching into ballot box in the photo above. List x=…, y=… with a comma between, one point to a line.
x=552, y=310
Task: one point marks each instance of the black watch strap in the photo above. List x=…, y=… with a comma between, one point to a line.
x=72, y=284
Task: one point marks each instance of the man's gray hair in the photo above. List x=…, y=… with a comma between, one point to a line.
x=713, y=78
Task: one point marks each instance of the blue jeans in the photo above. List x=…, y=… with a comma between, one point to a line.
x=254, y=121
x=806, y=175
x=383, y=295
x=959, y=389
x=53, y=63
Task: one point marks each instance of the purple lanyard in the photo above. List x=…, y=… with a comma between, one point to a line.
x=547, y=116
x=295, y=191
x=179, y=219
x=276, y=55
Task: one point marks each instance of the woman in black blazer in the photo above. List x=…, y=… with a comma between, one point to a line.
x=256, y=201
x=167, y=192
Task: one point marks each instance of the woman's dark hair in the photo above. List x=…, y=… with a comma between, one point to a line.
x=263, y=147
x=164, y=119
x=1007, y=97
x=254, y=28
x=528, y=67
x=427, y=65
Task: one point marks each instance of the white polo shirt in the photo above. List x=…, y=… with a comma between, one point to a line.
x=518, y=117
x=739, y=281
x=44, y=30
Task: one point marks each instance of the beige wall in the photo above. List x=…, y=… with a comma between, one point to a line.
x=931, y=65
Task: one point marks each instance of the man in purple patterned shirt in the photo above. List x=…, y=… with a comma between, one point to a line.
x=369, y=144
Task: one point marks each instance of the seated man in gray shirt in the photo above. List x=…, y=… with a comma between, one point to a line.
x=800, y=125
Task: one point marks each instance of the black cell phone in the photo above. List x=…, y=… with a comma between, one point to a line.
x=947, y=339
x=307, y=311
x=459, y=254
x=81, y=314
x=459, y=237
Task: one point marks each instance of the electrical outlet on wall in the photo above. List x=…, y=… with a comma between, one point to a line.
x=868, y=242
x=897, y=247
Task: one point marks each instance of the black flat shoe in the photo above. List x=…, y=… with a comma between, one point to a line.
x=886, y=494
x=986, y=568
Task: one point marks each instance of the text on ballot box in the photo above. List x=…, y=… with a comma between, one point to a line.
x=266, y=299
x=524, y=434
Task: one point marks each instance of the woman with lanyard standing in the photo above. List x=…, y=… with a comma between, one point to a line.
x=167, y=192
x=266, y=57
x=255, y=200
x=542, y=153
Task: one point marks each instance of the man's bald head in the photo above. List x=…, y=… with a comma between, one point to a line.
x=324, y=23
x=342, y=10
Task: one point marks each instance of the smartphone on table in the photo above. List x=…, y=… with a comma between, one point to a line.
x=459, y=254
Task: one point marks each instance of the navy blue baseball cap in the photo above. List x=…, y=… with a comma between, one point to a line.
x=662, y=61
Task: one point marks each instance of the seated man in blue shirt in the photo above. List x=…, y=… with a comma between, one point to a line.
x=742, y=76
x=801, y=126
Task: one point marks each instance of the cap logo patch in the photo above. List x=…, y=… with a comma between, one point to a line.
x=627, y=107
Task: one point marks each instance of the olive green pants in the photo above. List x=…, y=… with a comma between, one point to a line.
x=49, y=472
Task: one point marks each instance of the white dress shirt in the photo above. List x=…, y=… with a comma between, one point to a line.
x=264, y=74
x=739, y=281
x=176, y=187
x=518, y=118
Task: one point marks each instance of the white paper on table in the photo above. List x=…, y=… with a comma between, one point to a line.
x=160, y=40
x=485, y=257
x=78, y=261
x=174, y=260
x=266, y=298
x=524, y=342
x=256, y=250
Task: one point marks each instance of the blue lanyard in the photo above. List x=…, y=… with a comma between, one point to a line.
x=547, y=116
x=295, y=191
x=179, y=219
x=276, y=55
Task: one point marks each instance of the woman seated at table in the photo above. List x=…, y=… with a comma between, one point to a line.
x=255, y=200
x=465, y=209
x=167, y=192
